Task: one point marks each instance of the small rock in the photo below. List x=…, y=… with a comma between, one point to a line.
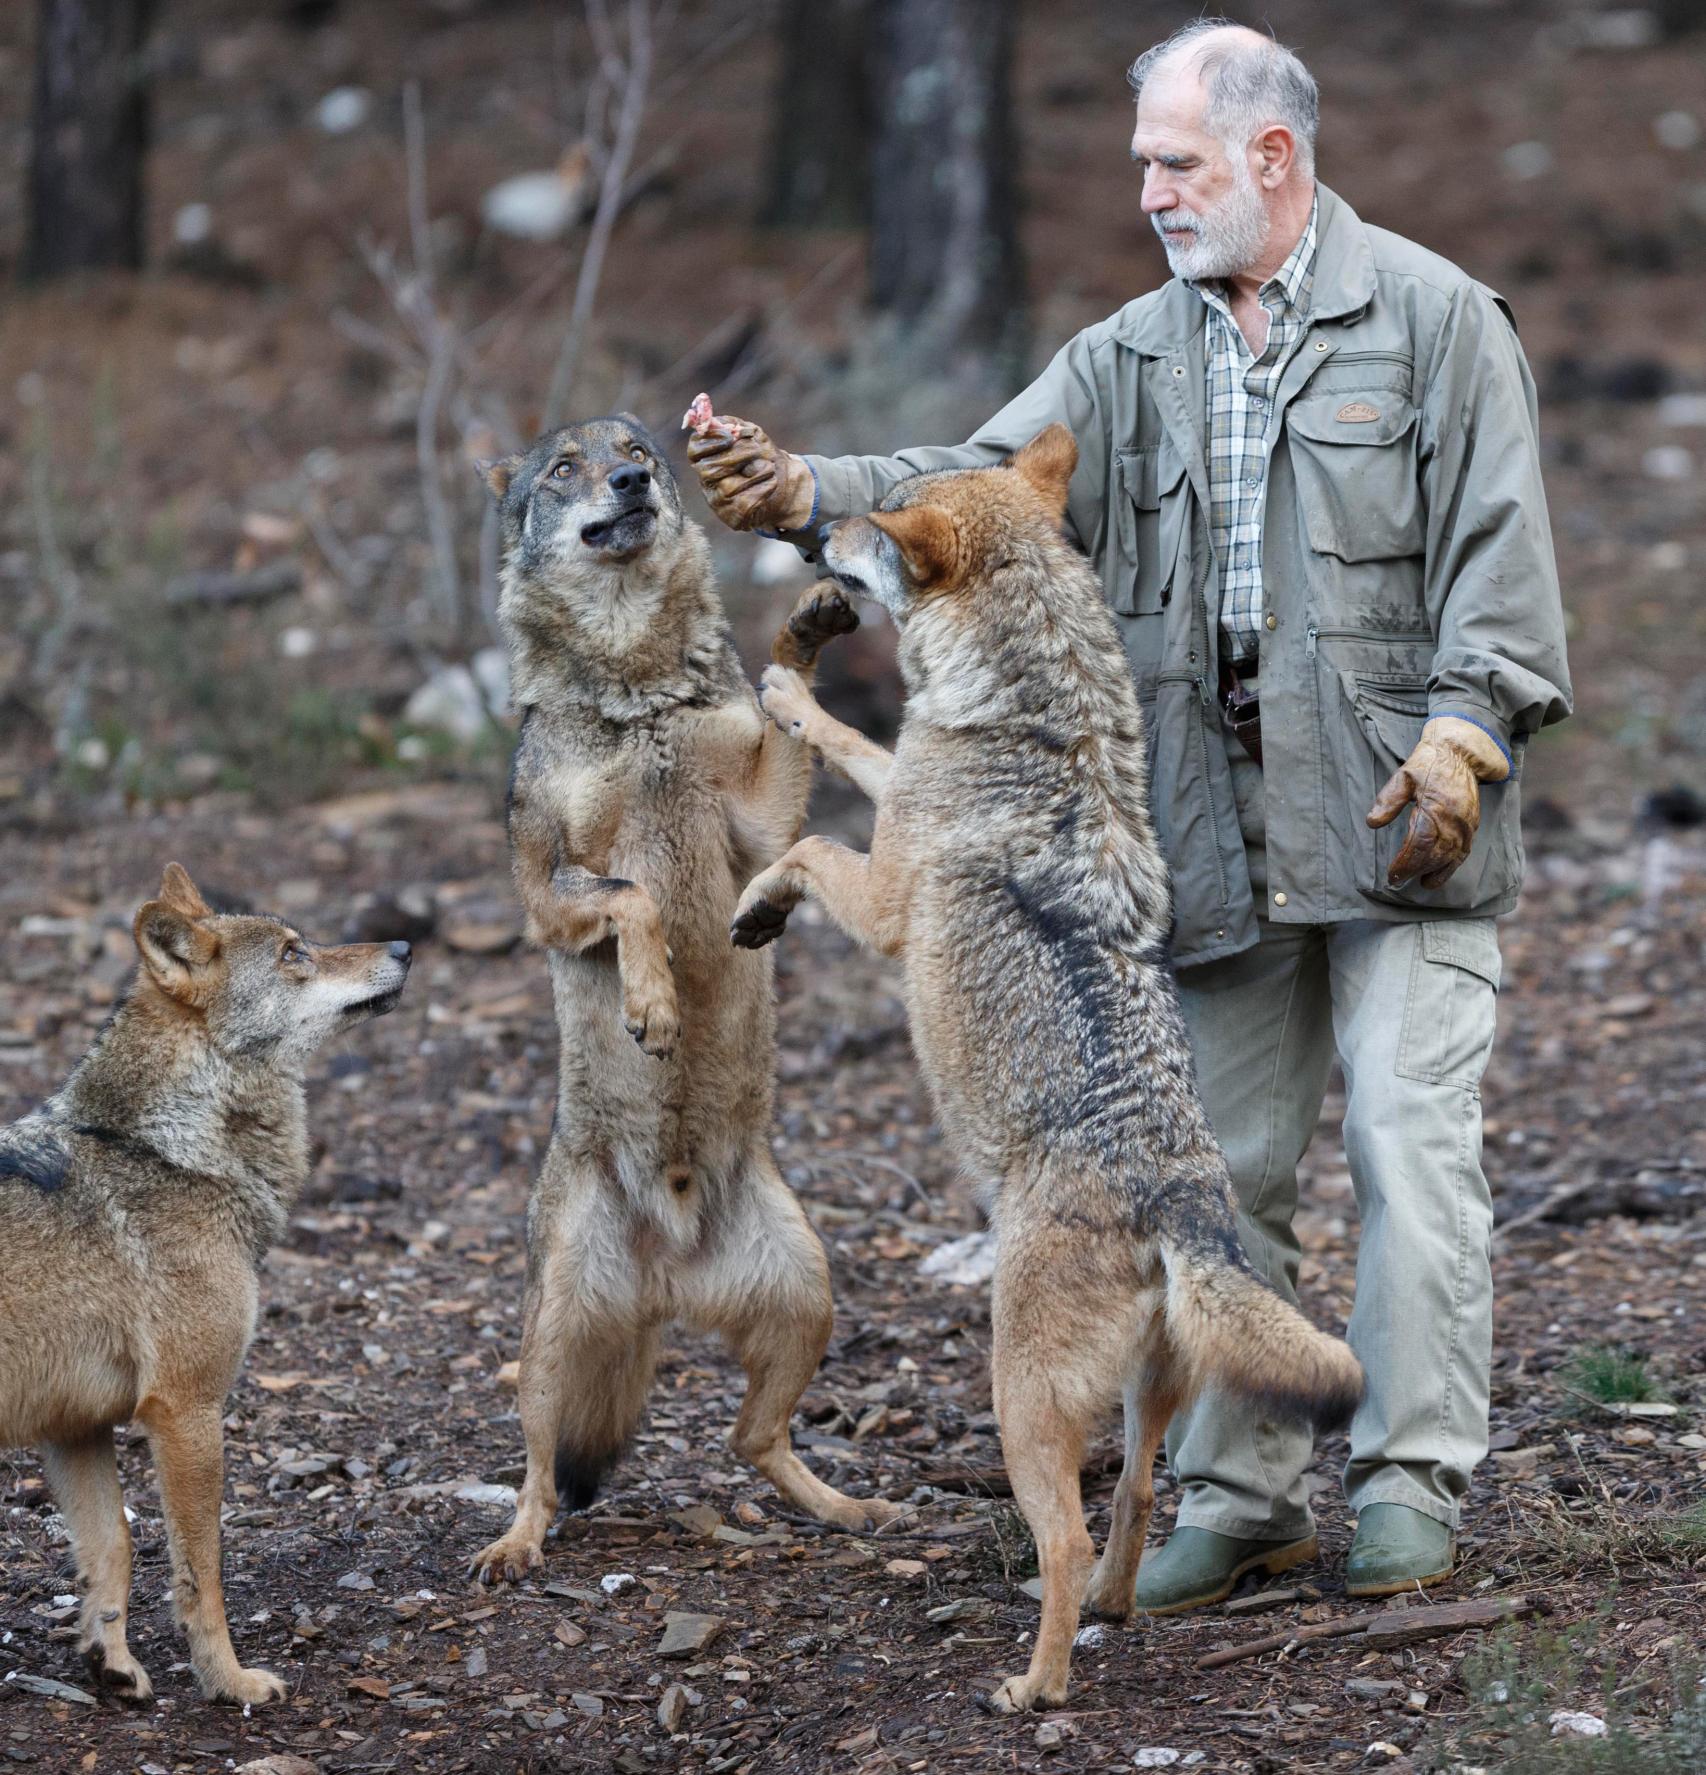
x=1668, y=462
x=672, y=1707
x=1678, y=130
x=685, y=1634
x=1090, y=1637
x=355, y=1581
x=1155, y=1756
x=1527, y=160
x=962, y=1263
x=342, y=109
x=1568, y=1724
x=192, y=226
x=964, y=1608
x=534, y=206
x=700, y=1520
x=475, y=1663
x=47, y=1686
x=566, y=1633
x=477, y=1493
x=587, y=1704
x=1050, y=1736
x=1366, y=1688
x=450, y=703
x=280, y=1763
x=1382, y=1751
x=490, y=667
x=617, y=1583
x=906, y=1568
x=1683, y=410
x=508, y=1375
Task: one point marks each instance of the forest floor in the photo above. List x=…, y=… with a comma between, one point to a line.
x=374, y=1395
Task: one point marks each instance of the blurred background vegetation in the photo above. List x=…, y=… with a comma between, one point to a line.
x=277, y=272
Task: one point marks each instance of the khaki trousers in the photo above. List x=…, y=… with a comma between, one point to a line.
x=1409, y=1010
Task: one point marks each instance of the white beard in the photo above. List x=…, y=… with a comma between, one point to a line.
x=1227, y=240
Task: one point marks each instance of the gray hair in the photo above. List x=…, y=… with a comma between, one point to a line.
x=1250, y=84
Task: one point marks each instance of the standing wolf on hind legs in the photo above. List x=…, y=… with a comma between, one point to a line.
x=647, y=789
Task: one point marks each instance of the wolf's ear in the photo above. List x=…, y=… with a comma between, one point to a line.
x=498, y=473
x=182, y=894
x=174, y=947
x=1047, y=462
x=927, y=540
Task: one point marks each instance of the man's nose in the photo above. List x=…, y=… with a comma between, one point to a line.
x=1158, y=194
x=631, y=477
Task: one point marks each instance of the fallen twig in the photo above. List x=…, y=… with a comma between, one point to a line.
x=1386, y=1629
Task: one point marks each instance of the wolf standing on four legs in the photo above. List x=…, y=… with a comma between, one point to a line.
x=1309, y=482
x=647, y=789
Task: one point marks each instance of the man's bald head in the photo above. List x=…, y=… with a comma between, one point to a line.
x=1248, y=81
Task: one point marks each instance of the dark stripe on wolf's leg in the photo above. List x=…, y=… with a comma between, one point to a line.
x=579, y=1475
x=39, y=1161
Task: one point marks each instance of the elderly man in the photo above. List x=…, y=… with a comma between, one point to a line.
x=1309, y=477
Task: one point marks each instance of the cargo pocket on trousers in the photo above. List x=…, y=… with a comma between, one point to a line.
x=1150, y=523
x=1450, y=1008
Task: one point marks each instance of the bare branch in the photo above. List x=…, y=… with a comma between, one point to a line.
x=635, y=82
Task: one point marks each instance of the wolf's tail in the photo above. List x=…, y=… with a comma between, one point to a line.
x=1228, y=1327
x=602, y=1404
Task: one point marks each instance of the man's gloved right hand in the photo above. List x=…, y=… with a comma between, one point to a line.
x=749, y=482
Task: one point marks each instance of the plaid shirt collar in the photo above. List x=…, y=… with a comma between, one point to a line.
x=1288, y=288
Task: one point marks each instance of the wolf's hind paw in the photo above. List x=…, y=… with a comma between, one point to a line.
x=504, y=1562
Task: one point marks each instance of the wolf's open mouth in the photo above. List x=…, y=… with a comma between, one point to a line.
x=626, y=527
x=377, y=1006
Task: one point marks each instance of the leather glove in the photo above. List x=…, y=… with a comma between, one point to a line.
x=1443, y=776
x=748, y=481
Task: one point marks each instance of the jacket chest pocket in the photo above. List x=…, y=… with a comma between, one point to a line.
x=1354, y=458
x=1151, y=528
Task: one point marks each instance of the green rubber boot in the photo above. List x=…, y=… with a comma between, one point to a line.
x=1198, y=1567
x=1397, y=1549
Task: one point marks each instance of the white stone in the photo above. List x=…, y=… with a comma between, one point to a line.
x=344, y=108
x=449, y=702
x=965, y=1263
x=1568, y=1724
x=1668, y=462
x=297, y=643
x=1683, y=410
x=614, y=1583
x=531, y=206
x=490, y=667
x=1677, y=129
x=1156, y=1756
x=476, y=1492
x=1527, y=160
x=193, y=224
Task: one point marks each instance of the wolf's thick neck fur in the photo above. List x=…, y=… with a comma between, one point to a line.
x=626, y=640
x=154, y=1086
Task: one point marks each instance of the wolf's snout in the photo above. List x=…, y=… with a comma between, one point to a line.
x=631, y=478
x=398, y=950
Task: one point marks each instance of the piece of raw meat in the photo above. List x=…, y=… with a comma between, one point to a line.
x=700, y=419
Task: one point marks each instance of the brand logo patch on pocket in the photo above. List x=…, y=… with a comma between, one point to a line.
x=1358, y=413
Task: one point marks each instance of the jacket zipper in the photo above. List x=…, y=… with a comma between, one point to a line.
x=1372, y=357
x=1314, y=634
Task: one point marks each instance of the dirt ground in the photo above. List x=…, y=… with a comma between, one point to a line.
x=373, y=1395
x=154, y=420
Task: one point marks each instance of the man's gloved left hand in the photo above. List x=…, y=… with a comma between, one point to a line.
x=1443, y=776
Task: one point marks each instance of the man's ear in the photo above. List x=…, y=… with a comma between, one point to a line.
x=1047, y=462
x=498, y=473
x=927, y=540
x=182, y=894
x=175, y=948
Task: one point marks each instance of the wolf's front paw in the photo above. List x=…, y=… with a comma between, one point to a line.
x=506, y=1561
x=821, y=614
x=247, y=1688
x=1020, y=1693
x=758, y=923
x=783, y=696
x=114, y=1668
x=653, y=1018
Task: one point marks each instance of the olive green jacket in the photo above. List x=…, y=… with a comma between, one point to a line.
x=1406, y=562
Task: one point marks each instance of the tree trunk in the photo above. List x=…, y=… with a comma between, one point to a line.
x=820, y=122
x=945, y=257
x=88, y=136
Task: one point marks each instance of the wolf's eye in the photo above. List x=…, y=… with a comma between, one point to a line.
x=635, y=453
x=294, y=955
x=563, y=470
